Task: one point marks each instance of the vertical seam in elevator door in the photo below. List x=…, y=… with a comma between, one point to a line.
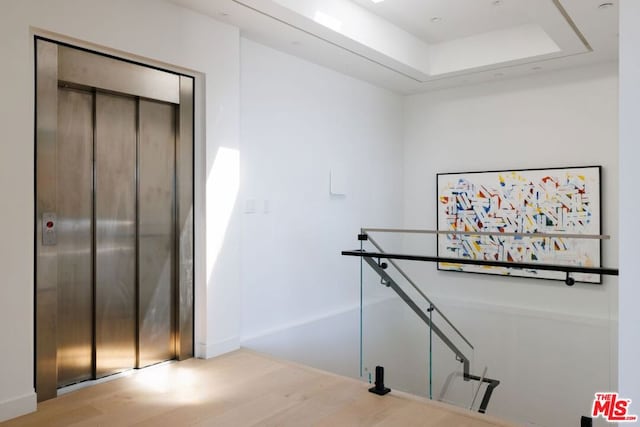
x=137, y=234
x=193, y=207
x=94, y=369
x=176, y=239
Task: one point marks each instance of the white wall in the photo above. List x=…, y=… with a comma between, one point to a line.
x=298, y=122
x=558, y=119
x=545, y=342
x=551, y=120
x=149, y=29
x=629, y=293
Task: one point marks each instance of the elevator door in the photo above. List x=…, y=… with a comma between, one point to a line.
x=114, y=224
x=115, y=233
x=74, y=235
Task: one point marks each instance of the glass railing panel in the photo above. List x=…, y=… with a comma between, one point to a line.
x=421, y=349
x=546, y=342
x=452, y=360
x=392, y=336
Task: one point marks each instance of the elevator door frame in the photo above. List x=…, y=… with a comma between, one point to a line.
x=58, y=62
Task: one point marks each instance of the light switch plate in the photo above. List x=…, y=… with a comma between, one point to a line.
x=337, y=183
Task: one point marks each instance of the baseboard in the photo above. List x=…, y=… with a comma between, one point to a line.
x=207, y=351
x=17, y=406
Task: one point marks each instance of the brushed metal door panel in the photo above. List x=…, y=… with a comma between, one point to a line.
x=184, y=200
x=74, y=236
x=156, y=232
x=115, y=234
x=113, y=75
x=46, y=256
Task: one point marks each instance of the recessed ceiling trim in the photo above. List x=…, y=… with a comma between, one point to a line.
x=572, y=24
x=324, y=39
x=371, y=55
x=490, y=69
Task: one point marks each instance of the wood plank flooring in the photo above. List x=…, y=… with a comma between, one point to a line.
x=242, y=388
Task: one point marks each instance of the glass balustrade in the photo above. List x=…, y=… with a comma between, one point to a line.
x=530, y=351
x=405, y=332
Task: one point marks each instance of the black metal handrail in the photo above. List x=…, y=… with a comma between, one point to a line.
x=524, y=265
x=420, y=292
x=417, y=310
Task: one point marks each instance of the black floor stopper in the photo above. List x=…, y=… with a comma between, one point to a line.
x=586, y=422
x=380, y=388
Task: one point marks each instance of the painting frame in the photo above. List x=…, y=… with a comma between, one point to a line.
x=590, y=250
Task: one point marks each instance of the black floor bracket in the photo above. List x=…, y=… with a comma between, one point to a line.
x=586, y=421
x=379, y=388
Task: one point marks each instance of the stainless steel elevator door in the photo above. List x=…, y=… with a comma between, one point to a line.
x=115, y=235
x=116, y=192
x=114, y=196
x=156, y=232
x=74, y=188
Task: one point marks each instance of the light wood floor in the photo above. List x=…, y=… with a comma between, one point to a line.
x=242, y=389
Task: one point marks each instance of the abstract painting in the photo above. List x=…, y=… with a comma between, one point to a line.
x=558, y=201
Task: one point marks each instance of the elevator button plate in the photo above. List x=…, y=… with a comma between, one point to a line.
x=49, y=237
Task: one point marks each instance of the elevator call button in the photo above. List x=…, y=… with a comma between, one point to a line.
x=49, y=237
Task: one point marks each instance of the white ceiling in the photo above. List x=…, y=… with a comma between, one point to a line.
x=458, y=18
x=396, y=45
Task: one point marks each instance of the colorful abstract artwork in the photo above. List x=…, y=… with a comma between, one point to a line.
x=558, y=201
